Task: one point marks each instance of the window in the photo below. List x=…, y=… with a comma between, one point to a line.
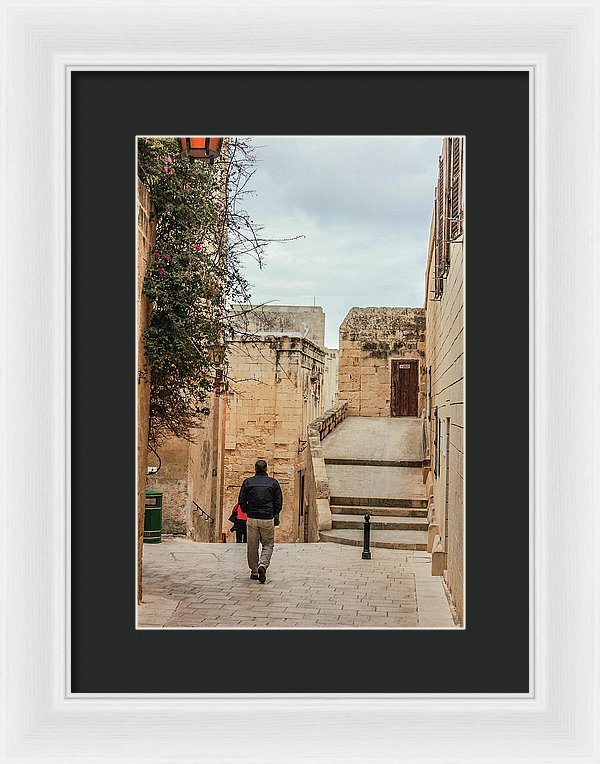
x=441, y=216
x=456, y=188
x=448, y=208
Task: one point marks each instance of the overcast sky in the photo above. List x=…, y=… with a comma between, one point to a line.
x=363, y=206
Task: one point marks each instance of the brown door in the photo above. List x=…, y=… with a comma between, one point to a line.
x=405, y=388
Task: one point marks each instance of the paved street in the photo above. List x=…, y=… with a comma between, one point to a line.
x=188, y=584
x=376, y=438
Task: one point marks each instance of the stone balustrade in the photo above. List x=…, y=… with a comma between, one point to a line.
x=318, y=513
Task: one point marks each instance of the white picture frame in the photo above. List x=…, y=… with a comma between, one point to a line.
x=558, y=43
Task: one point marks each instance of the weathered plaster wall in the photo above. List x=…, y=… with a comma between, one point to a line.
x=307, y=321
x=370, y=338
x=191, y=472
x=274, y=394
x=172, y=481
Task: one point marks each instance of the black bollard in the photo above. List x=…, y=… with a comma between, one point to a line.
x=366, y=555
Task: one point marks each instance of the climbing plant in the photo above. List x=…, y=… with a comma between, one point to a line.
x=195, y=271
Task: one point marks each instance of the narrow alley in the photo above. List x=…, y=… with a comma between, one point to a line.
x=353, y=407
x=374, y=466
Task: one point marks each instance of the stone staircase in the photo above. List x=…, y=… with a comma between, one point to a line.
x=364, y=480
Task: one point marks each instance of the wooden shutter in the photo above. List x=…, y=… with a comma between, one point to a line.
x=455, y=195
x=441, y=219
x=440, y=229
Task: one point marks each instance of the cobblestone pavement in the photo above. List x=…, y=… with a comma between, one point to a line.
x=189, y=584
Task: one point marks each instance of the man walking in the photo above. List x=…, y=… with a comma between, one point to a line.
x=261, y=499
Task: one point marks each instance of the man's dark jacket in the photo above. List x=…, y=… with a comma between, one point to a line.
x=260, y=497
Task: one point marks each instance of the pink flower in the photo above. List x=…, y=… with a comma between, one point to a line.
x=218, y=205
x=165, y=169
x=198, y=247
x=169, y=159
x=156, y=255
x=167, y=257
x=161, y=271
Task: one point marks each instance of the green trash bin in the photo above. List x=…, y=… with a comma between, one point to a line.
x=153, y=517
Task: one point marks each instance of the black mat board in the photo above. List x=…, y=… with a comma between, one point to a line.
x=108, y=109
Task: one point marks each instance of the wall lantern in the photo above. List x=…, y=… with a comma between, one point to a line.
x=201, y=148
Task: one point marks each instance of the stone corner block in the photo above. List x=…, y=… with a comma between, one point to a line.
x=324, y=514
x=438, y=558
x=433, y=532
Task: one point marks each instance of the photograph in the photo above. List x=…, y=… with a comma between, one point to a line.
x=300, y=382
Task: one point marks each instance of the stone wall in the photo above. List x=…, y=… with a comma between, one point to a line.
x=190, y=477
x=330, y=378
x=316, y=496
x=302, y=320
x=145, y=244
x=370, y=338
x=445, y=476
x=274, y=393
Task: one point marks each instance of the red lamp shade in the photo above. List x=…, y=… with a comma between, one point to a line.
x=201, y=148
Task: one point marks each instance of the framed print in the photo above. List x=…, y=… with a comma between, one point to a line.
x=79, y=681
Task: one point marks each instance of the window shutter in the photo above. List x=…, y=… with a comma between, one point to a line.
x=440, y=231
x=455, y=196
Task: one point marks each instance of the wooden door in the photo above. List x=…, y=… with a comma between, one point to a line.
x=404, y=400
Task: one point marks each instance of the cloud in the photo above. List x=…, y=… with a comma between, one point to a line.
x=363, y=206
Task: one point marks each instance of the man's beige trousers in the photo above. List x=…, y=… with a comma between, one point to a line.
x=262, y=531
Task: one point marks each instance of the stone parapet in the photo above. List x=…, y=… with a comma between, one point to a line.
x=328, y=421
x=317, y=483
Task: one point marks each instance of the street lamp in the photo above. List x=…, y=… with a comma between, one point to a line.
x=201, y=148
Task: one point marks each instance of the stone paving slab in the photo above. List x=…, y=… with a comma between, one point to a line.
x=195, y=585
x=375, y=438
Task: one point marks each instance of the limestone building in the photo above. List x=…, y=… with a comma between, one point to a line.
x=444, y=410
x=382, y=361
x=275, y=391
x=259, y=320
x=191, y=472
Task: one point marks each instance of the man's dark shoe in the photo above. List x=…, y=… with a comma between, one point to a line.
x=254, y=576
x=262, y=574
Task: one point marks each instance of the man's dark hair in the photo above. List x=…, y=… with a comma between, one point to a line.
x=260, y=466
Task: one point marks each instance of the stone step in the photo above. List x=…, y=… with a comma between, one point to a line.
x=371, y=501
x=416, y=540
x=380, y=522
x=380, y=511
x=373, y=462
